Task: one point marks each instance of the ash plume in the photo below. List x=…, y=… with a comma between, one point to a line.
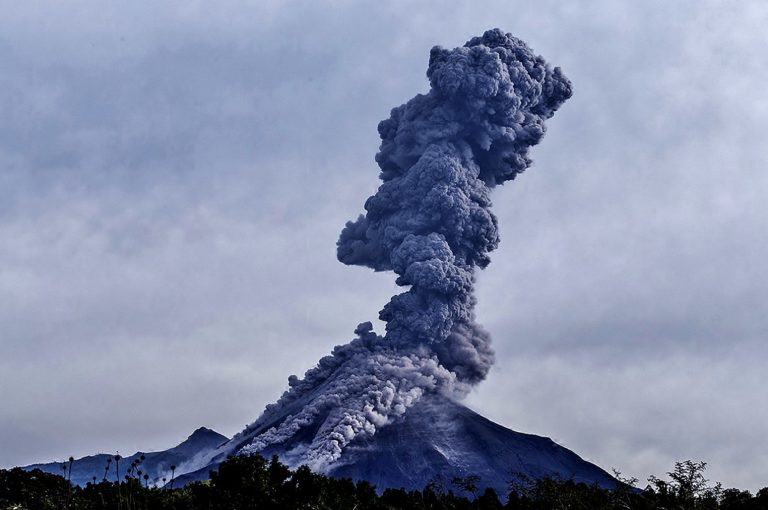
x=430, y=223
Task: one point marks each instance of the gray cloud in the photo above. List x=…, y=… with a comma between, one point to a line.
x=149, y=161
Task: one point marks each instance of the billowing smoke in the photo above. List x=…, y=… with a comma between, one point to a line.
x=430, y=222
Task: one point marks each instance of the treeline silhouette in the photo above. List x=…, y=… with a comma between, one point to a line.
x=245, y=483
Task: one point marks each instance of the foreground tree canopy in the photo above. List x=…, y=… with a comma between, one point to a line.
x=252, y=482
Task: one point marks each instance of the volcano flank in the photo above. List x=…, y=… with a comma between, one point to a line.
x=435, y=441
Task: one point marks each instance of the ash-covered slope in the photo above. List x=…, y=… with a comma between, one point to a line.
x=436, y=440
x=155, y=464
x=439, y=439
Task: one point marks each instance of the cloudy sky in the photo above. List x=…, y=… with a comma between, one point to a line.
x=173, y=178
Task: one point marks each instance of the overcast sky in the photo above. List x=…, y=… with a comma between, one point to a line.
x=173, y=179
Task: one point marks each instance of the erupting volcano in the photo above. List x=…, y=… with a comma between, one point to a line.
x=387, y=403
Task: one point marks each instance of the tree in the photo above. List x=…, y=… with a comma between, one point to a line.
x=173, y=473
x=117, y=479
x=488, y=500
x=688, y=488
x=466, y=483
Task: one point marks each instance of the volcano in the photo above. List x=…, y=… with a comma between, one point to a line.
x=384, y=408
x=436, y=440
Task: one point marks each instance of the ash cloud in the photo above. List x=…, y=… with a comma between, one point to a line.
x=430, y=223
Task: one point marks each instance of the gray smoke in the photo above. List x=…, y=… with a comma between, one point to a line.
x=429, y=222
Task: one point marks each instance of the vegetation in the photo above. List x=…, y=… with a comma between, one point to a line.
x=245, y=483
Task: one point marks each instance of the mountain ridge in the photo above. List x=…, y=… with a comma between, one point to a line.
x=434, y=442
x=155, y=464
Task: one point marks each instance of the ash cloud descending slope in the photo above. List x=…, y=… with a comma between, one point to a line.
x=429, y=222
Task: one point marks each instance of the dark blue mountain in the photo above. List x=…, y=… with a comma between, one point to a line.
x=155, y=464
x=440, y=439
x=436, y=440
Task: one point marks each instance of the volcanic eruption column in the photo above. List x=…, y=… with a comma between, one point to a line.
x=429, y=222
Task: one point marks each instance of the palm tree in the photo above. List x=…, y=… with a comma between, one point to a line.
x=64, y=473
x=117, y=478
x=69, y=480
x=173, y=473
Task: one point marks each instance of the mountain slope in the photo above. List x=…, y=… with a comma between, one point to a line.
x=440, y=439
x=437, y=439
x=156, y=464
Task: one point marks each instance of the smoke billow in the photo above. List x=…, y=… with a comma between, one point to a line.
x=430, y=222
